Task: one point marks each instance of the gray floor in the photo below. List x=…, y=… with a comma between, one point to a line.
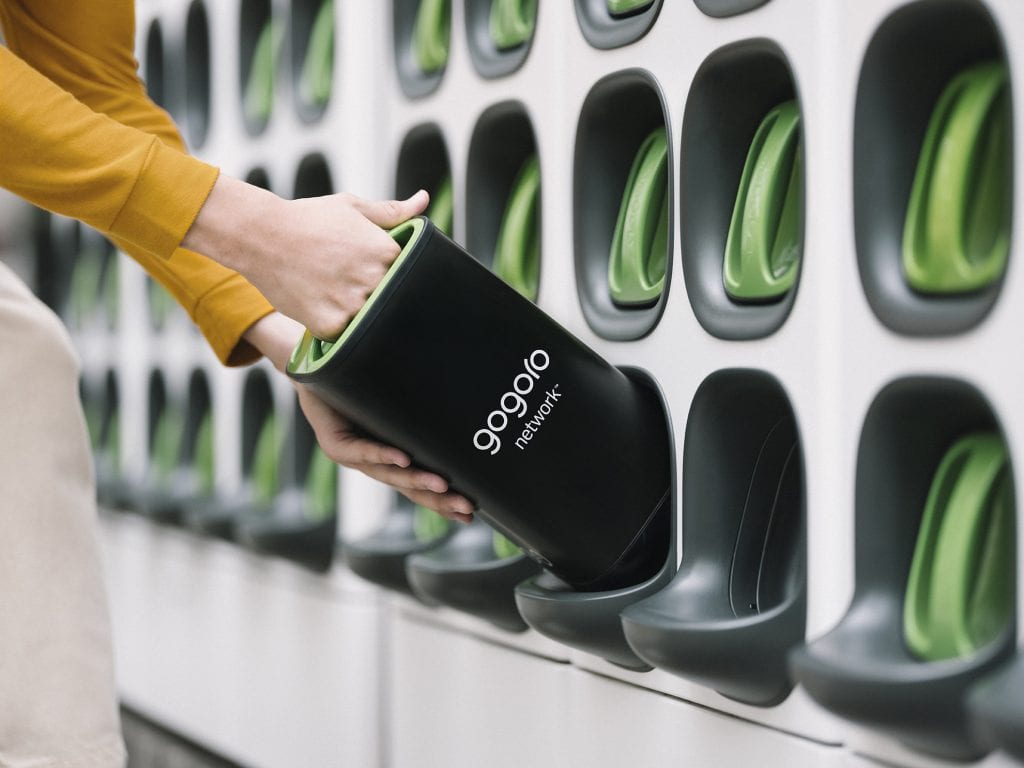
x=151, y=746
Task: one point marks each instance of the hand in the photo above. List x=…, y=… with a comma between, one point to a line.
x=343, y=444
x=275, y=336
x=316, y=260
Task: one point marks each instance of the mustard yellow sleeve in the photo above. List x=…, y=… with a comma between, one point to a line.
x=59, y=154
x=87, y=142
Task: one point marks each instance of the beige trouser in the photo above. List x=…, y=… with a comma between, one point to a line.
x=57, y=699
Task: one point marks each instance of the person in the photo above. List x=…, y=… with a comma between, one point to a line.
x=80, y=137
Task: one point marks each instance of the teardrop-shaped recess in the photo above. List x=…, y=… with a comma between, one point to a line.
x=517, y=252
x=960, y=591
x=258, y=101
x=160, y=302
x=318, y=66
x=956, y=237
x=442, y=206
x=321, y=488
x=166, y=446
x=639, y=252
x=84, y=290
x=430, y=35
x=762, y=250
x=203, y=455
x=627, y=7
x=512, y=22
x=111, y=283
x=112, y=440
x=266, y=457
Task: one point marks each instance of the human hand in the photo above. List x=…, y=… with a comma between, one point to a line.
x=344, y=444
x=275, y=336
x=316, y=259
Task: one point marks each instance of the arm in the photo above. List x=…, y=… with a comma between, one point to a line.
x=87, y=49
x=144, y=193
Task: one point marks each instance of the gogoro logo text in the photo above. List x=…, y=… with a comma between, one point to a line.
x=512, y=403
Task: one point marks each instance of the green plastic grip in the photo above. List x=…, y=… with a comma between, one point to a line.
x=960, y=591
x=512, y=22
x=427, y=525
x=442, y=206
x=93, y=422
x=956, y=238
x=167, y=440
x=639, y=252
x=430, y=35
x=112, y=440
x=266, y=460
x=258, y=101
x=503, y=547
x=517, y=251
x=321, y=487
x=203, y=453
x=160, y=304
x=111, y=281
x=762, y=250
x=626, y=7
x=317, y=68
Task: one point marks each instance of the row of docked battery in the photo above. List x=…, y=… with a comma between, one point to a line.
x=949, y=595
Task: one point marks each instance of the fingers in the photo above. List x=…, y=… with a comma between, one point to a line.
x=407, y=478
x=424, y=488
x=444, y=504
x=353, y=451
x=339, y=439
x=391, y=213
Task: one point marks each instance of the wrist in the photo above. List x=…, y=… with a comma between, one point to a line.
x=275, y=336
x=232, y=224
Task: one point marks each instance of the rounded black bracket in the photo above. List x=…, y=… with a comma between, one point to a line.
x=182, y=492
x=721, y=9
x=916, y=51
x=732, y=92
x=464, y=573
x=380, y=557
x=738, y=603
x=423, y=161
x=219, y=516
x=285, y=528
x=503, y=139
x=489, y=60
x=286, y=531
x=604, y=30
x=254, y=15
x=997, y=707
x=863, y=669
x=415, y=83
x=197, y=73
x=590, y=621
x=304, y=15
x=620, y=112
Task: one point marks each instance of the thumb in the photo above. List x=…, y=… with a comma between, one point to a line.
x=391, y=213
